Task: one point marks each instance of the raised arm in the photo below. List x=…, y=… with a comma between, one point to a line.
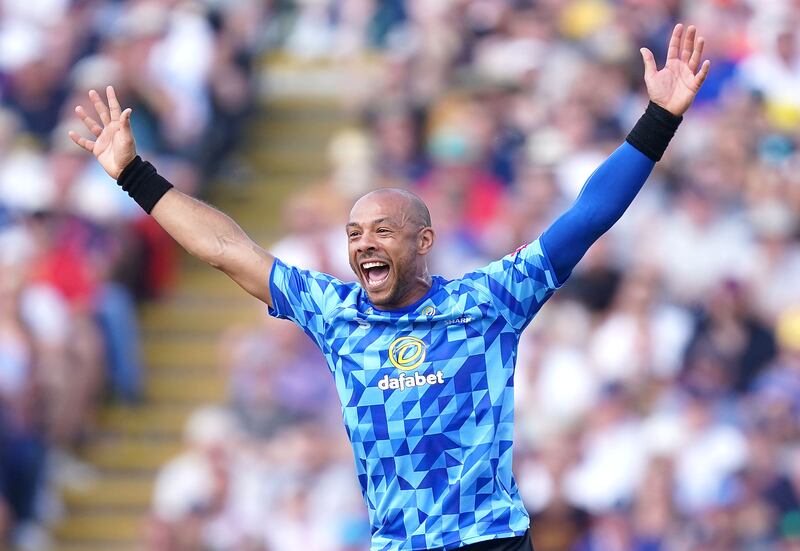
x=202, y=230
x=614, y=185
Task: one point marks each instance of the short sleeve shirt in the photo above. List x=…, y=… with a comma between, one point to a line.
x=427, y=394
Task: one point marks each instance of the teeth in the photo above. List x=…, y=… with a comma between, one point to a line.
x=368, y=265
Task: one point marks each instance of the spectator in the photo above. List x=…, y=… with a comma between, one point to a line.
x=659, y=407
x=637, y=402
x=76, y=258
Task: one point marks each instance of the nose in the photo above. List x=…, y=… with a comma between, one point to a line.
x=366, y=244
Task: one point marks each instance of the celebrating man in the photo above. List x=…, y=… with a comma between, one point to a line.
x=423, y=365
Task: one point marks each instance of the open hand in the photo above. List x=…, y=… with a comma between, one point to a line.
x=675, y=86
x=113, y=146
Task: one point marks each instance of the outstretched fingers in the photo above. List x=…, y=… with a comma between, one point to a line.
x=100, y=107
x=700, y=77
x=88, y=145
x=675, y=42
x=90, y=123
x=697, y=54
x=113, y=103
x=688, y=43
x=650, y=68
x=125, y=118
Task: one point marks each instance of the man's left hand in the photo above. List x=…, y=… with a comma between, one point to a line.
x=675, y=86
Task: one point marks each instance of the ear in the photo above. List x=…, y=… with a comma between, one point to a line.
x=425, y=239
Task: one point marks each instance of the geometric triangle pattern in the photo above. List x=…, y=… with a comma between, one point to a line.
x=427, y=394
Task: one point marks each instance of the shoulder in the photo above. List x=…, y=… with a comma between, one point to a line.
x=320, y=285
x=472, y=284
x=524, y=255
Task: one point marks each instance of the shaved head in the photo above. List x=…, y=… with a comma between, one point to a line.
x=413, y=206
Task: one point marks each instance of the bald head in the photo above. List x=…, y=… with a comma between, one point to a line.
x=413, y=208
x=389, y=236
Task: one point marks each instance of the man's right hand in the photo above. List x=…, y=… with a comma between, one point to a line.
x=114, y=145
x=202, y=230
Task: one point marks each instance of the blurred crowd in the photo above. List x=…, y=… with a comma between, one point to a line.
x=658, y=393
x=76, y=254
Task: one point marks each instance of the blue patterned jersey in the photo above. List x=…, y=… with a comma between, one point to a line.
x=427, y=394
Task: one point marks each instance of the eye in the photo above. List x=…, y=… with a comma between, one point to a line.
x=353, y=234
x=383, y=231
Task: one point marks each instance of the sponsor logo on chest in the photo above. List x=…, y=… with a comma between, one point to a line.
x=407, y=354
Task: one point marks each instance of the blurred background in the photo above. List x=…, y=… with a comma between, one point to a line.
x=147, y=403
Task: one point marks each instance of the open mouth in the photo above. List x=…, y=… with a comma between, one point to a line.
x=376, y=273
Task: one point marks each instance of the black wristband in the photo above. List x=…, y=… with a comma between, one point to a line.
x=143, y=183
x=653, y=131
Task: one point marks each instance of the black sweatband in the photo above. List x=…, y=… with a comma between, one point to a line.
x=143, y=183
x=652, y=133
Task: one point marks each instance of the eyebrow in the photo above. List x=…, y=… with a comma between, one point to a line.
x=376, y=221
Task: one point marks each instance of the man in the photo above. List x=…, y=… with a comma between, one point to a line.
x=423, y=365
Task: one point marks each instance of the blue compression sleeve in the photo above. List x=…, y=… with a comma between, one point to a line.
x=604, y=198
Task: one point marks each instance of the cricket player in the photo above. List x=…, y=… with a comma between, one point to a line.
x=423, y=365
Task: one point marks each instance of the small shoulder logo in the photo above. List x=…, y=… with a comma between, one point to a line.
x=429, y=311
x=407, y=353
x=463, y=319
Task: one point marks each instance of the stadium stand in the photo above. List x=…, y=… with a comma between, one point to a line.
x=658, y=393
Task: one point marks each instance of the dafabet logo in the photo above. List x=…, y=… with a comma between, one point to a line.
x=407, y=354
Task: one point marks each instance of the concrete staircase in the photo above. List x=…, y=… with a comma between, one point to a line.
x=285, y=150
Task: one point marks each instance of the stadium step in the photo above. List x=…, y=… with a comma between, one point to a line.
x=126, y=454
x=171, y=387
x=301, y=80
x=98, y=546
x=155, y=420
x=201, y=316
x=184, y=353
x=98, y=527
x=130, y=493
x=178, y=390
x=286, y=150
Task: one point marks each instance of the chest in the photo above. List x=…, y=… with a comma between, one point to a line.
x=441, y=349
x=372, y=340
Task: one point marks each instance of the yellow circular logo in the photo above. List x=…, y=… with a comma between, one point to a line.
x=407, y=353
x=429, y=311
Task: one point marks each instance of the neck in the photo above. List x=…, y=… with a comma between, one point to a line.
x=418, y=289
x=414, y=292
